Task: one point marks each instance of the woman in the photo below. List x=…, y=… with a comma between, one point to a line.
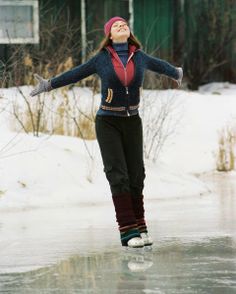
x=120, y=63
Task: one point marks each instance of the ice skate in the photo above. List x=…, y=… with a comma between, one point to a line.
x=146, y=239
x=135, y=242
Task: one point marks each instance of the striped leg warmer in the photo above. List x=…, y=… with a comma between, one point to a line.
x=125, y=217
x=138, y=205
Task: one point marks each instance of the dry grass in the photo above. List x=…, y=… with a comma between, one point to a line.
x=56, y=113
x=2, y=193
x=227, y=148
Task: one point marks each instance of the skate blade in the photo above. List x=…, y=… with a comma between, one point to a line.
x=133, y=249
x=147, y=248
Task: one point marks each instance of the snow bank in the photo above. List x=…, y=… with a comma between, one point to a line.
x=57, y=171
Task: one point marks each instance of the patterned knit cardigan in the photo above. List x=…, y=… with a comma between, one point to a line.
x=114, y=95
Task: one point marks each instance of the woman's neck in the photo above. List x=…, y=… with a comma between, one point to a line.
x=125, y=42
x=120, y=40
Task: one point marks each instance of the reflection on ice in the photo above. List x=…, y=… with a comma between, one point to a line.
x=69, y=250
x=172, y=266
x=137, y=259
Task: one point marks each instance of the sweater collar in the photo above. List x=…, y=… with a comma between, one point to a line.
x=132, y=49
x=120, y=46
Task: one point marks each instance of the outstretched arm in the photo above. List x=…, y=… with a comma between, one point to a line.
x=71, y=76
x=75, y=74
x=163, y=67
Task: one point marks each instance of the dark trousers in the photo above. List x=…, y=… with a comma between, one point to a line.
x=121, y=144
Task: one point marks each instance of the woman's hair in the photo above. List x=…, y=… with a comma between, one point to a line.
x=107, y=41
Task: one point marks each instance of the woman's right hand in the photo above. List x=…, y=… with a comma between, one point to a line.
x=180, y=71
x=43, y=86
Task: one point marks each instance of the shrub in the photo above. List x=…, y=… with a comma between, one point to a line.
x=225, y=160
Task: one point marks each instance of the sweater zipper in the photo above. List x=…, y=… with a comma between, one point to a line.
x=126, y=87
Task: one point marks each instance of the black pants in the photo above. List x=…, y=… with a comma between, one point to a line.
x=121, y=144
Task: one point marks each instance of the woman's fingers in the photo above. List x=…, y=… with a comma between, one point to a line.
x=179, y=81
x=38, y=77
x=37, y=91
x=34, y=92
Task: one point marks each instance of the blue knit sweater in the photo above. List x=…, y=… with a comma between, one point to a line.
x=122, y=50
x=116, y=99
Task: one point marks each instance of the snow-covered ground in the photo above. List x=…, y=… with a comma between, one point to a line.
x=56, y=170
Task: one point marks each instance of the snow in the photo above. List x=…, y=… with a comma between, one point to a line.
x=56, y=171
x=205, y=114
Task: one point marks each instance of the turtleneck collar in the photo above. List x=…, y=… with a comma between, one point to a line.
x=120, y=46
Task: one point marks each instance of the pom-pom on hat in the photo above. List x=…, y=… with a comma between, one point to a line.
x=109, y=23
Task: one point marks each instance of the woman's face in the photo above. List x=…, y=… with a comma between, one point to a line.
x=120, y=31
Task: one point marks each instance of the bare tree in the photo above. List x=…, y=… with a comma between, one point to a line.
x=213, y=31
x=161, y=116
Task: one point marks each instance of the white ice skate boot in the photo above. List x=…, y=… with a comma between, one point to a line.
x=146, y=239
x=135, y=242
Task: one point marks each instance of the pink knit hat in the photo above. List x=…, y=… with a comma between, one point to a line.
x=109, y=23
